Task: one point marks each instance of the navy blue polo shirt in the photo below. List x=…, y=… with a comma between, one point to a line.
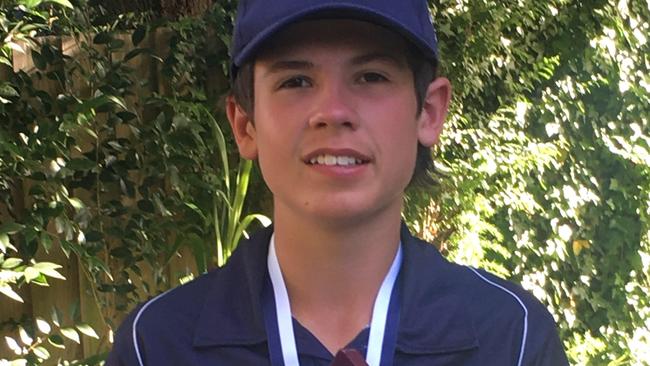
x=449, y=315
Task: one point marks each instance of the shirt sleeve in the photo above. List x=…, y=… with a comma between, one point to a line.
x=544, y=347
x=123, y=351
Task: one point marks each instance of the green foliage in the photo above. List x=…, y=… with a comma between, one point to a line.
x=98, y=161
x=20, y=22
x=15, y=272
x=38, y=336
x=547, y=161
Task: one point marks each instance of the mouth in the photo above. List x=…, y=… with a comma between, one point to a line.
x=331, y=160
x=337, y=158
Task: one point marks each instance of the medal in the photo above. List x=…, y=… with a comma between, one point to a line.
x=349, y=357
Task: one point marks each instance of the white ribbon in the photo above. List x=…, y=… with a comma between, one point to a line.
x=285, y=322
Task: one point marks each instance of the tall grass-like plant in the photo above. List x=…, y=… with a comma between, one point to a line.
x=228, y=200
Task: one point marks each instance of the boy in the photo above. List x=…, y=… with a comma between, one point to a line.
x=339, y=103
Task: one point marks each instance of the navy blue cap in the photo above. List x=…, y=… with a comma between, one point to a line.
x=257, y=20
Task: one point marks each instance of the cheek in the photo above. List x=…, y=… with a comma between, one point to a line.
x=395, y=120
x=279, y=122
x=272, y=145
x=396, y=129
x=271, y=164
x=276, y=144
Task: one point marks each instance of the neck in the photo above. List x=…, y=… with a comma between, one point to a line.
x=333, y=272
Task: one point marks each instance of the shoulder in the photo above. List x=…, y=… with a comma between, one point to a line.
x=177, y=308
x=169, y=326
x=501, y=314
x=483, y=291
x=501, y=303
x=169, y=317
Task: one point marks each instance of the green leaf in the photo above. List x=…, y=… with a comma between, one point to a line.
x=221, y=145
x=56, y=316
x=7, y=90
x=15, y=46
x=8, y=291
x=24, y=337
x=46, y=266
x=5, y=243
x=102, y=38
x=11, y=228
x=96, y=263
x=43, y=325
x=56, y=341
x=181, y=121
x=41, y=280
x=49, y=269
x=65, y=3
x=30, y=274
x=246, y=221
x=41, y=352
x=135, y=52
x=10, y=263
x=90, y=133
x=138, y=35
x=100, y=101
x=161, y=206
x=71, y=334
x=39, y=61
x=29, y=234
x=87, y=330
x=200, y=251
x=13, y=345
x=76, y=203
x=195, y=208
x=117, y=101
x=46, y=241
x=30, y=4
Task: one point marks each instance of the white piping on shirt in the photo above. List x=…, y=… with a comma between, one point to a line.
x=521, y=303
x=135, y=325
x=525, y=332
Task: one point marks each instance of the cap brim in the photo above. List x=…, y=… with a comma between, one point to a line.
x=327, y=11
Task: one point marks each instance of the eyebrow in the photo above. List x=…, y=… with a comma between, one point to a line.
x=379, y=56
x=284, y=65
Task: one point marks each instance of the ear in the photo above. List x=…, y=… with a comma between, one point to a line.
x=434, y=111
x=243, y=129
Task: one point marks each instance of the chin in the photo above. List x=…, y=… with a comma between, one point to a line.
x=347, y=211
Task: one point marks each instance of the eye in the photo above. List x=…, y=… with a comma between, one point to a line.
x=295, y=82
x=372, y=77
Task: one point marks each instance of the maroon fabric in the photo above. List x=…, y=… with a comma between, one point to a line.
x=349, y=357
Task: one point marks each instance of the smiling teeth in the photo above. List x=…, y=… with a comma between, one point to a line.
x=331, y=160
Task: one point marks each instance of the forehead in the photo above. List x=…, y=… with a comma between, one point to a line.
x=354, y=35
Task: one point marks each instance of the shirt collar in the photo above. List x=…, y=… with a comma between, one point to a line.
x=433, y=317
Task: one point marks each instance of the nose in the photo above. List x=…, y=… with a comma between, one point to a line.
x=334, y=107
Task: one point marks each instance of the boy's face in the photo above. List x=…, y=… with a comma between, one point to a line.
x=335, y=126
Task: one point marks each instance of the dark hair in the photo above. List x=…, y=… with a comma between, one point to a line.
x=424, y=72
